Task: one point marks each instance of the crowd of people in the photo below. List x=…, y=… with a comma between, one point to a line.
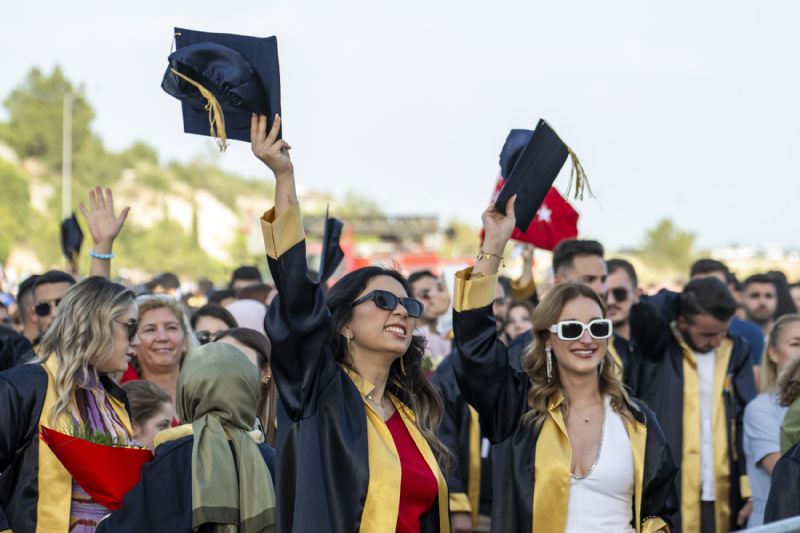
x=420, y=404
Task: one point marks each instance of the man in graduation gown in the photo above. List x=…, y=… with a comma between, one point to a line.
x=697, y=378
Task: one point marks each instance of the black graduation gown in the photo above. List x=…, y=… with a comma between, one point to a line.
x=162, y=501
x=15, y=349
x=659, y=383
x=499, y=393
x=322, y=447
x=784, y=492
x=22, y=395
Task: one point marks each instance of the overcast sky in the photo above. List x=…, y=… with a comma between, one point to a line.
x=687, y=110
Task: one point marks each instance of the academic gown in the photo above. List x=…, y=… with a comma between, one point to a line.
x=784, y=492
x=659, y=382
x=499, y=393
x=162, y=501
x=333, y=470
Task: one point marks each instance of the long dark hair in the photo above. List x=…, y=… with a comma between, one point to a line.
x=410, y=387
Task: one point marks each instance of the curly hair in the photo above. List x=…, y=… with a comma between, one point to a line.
x=81, y=335
x=789, y=383
x=769, y=370
x=534, y=359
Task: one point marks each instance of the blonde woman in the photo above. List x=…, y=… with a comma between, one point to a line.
x=93, y=335
x=579, y=453
x=165, y=337
x=763, y=415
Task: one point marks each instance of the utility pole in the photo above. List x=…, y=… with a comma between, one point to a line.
x=66, y=164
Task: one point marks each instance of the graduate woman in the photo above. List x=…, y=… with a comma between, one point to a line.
x=356, y=444
x=582, y=456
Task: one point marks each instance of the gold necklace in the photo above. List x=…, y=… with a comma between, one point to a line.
x=585, y=419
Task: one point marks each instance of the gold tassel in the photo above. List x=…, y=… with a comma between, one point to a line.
x=216, y=119
x=578, y=176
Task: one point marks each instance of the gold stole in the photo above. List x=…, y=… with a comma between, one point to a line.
x=552, y=472
x=690, y=462
x=474, y=481
x=54, y=482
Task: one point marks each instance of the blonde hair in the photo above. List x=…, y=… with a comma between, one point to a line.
x=534, y=360
x=769, y=369
x=789, y=383
x=151, y=302
x=81, y=335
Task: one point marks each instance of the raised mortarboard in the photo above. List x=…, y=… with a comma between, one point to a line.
x=221, y=79
x=71, y=238
x=530, y=161
x=332, y=254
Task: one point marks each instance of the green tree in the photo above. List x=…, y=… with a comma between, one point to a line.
x=668, y=248
x=460, y=240
x=14, y=209
x=355, y=205
x=35, y=109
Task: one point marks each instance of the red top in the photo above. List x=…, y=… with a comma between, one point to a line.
x=418, y=486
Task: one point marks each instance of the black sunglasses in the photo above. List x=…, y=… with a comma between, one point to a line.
x=620, y=294
x=133, y=327
x=388, y=301
x=204, y=337
x=45, y=308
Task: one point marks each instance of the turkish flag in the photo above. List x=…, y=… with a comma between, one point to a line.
x=555, y=221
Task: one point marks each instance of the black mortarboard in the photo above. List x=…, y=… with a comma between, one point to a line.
x=221, y=79
x=71, y=237
x=331, y=254
x=530, y=162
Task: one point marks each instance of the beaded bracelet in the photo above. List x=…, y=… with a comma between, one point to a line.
x=98, y=255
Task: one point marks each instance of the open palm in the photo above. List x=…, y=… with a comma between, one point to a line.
x=104, y=225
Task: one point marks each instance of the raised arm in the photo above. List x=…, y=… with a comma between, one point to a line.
x=298, y=322
x=104, y=226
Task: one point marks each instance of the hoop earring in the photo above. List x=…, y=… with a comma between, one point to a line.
x=549, y=354
x=348, y=341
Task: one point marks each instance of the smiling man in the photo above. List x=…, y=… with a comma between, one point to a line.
x=697, y=378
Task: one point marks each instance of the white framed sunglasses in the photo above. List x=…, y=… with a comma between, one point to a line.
x=572, y=330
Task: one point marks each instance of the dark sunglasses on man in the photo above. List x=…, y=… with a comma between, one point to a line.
x=388, y=301
x=620, y=294
x=45, y=308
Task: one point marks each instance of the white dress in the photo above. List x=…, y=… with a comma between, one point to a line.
x=602, y=501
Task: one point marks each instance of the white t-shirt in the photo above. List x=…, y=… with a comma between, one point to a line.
x=603, y=500
x=705, y=377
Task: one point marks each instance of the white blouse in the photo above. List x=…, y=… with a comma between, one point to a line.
x=603, y=500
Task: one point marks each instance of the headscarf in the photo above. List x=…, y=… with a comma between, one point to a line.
x=249, y=314
x=218, y=392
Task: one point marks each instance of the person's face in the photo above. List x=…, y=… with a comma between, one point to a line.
x=377, y=330
x=703, y=332
x=46, y=298
x=620, y=296
x=499, y=306
x=123, y=347
x=161, y=420
x=760, y=302
x=208, y=327
x=582, y=356
x=587, y=269
x=519, y=321
x=242, y=283
x=795, y=292
x=788, y=346
x=433, y=294
x=161, y=340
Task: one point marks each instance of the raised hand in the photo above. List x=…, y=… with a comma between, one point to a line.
x=272, y=152
x=498, y=227
x=104, y=225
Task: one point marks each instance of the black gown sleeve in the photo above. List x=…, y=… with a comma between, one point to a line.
x=486, y=379
x=15, y=421
x=452, y=420
x=784, y=492
x=298, y=324
x=743, y=391
x=659, y=491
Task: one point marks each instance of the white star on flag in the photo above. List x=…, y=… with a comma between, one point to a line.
x=544, y=214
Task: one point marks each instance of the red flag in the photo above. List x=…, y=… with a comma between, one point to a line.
x=555, y=221
x=106, y=473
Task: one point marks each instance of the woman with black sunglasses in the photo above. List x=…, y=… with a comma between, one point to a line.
x=356, y=444
x=579, y=454
x=68, y=388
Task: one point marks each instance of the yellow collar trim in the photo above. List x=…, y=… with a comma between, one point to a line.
x=171, y=434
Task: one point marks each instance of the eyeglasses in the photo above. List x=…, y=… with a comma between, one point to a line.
x=620, y=294
x=204, y=337
x=46, y=307
x=572, y=330
x=133, y=327
x=388, y=301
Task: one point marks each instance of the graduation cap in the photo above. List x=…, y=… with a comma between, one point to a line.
x=221, y=79
x=71, y=238
x=530, y=161
x=332, y=254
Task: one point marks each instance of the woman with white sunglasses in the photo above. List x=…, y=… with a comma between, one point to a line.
x=579, y=453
